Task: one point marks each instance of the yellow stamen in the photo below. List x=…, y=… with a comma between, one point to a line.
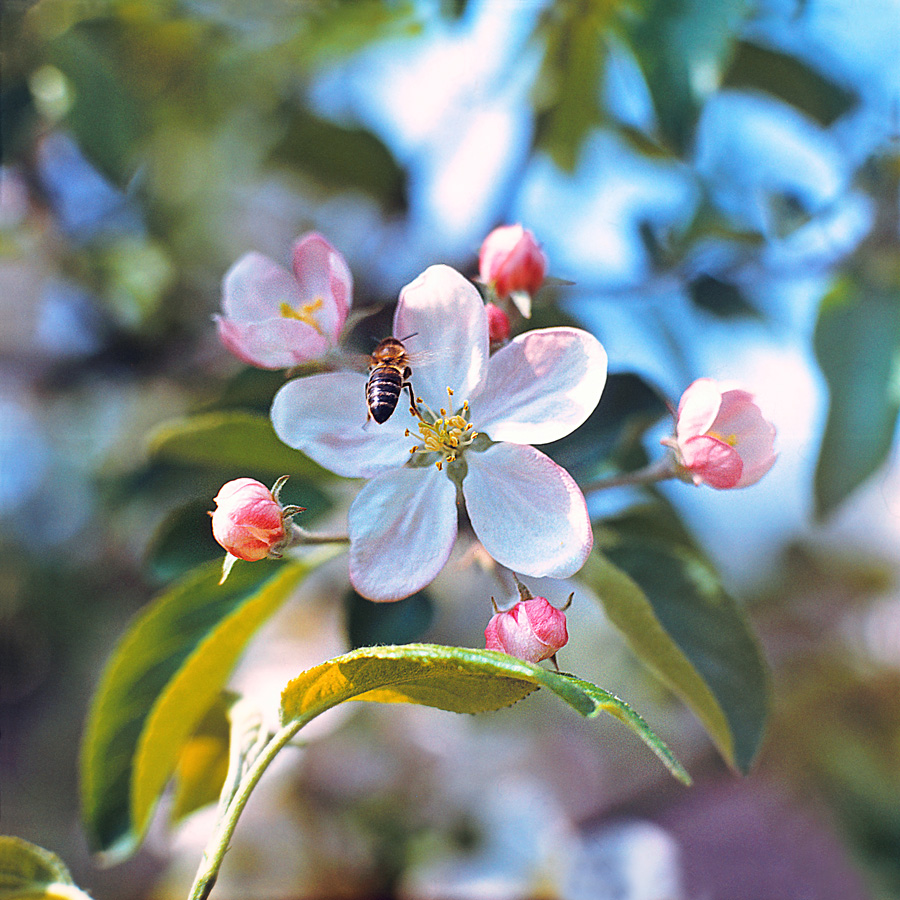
x=731, y=439
x=305, y=314
x=448, y=435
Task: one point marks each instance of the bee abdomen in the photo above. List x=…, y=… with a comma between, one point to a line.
x=383, y=392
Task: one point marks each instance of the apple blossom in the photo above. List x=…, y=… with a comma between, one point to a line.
x=478, y=416
x=532, y=630
x=721, y=438
x=276, y=319
x=512, y=262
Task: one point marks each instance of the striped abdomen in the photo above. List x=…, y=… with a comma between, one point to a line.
x=383, y=391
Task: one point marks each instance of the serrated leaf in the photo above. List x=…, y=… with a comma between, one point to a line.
x=29, y=872
x=231, y=439
x=456, y=679
x=857, y=343
x=159, y=682
x=671, y=609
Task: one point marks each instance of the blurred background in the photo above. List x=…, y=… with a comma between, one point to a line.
x=719, y=179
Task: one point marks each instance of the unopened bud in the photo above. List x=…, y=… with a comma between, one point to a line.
x=511, y=260
x=532, y=630
x=498, y=324
x=248, y=522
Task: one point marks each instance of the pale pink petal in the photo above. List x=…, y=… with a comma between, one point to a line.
x=541, y=386
x=402, y=529
x=755, y=468
x=255, y=287
x=325, y=417
x=698, y=408
x=712, y=462
x=272, y=343
x=527, y=511
x=443, y=316
x=323, y=272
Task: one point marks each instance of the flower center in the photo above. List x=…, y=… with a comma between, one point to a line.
x=447, y=434
x=305, y=313
x=731, y=439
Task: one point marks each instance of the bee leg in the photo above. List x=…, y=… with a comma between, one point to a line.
x=414, y=410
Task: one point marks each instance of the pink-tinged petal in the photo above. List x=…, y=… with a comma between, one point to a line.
x=755, y=468
x=323, y=272
x=254, y=288
x=698, y=408
x=527, y=511
x=325, y=417
x=402, y=529
x=272, y=343
x=712, y=462
x=541, y=386
x=511, y=259
x=445, y=316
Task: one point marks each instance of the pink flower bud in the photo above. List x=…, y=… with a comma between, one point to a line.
x=248, y=521
x=531, y=630
x=498, y=324
x=511, y=260
x=721, y=438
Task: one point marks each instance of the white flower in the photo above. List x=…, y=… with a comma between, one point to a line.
x=480, y=413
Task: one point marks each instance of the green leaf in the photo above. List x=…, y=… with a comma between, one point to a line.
x=232, y=439
x=340, y=156
x=683, y=48
x=671, y=609
x=29, y=872
x=790, y=79
x=567, y=89
x=457, y=679
x=106, y=117
x=160, y=681
x=722, y=298
x=203, y=762
x=857, y=343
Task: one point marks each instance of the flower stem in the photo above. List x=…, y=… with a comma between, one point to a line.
x=661, y=470
x=301, y=536
x=219, y=840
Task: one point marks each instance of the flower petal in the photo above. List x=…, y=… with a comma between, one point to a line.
x=541, y=386
x=402, y=529
x=272, y=343
x=712, y=462
x=325, y=417
x=698, y=408
x=323, y=272
x=255, y=287
x=527, y=511
x=445, y=318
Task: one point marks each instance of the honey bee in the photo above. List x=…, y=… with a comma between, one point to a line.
x=389, y=373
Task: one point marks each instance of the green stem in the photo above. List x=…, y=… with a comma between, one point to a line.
x=219, y=840
x=658, y=471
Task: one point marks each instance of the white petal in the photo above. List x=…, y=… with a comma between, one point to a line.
x=402, y=529
x=541, y=386
x=445, y=316
x=325, y=417
x=527, y=511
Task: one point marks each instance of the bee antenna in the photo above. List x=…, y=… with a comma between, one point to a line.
x=408, y=336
